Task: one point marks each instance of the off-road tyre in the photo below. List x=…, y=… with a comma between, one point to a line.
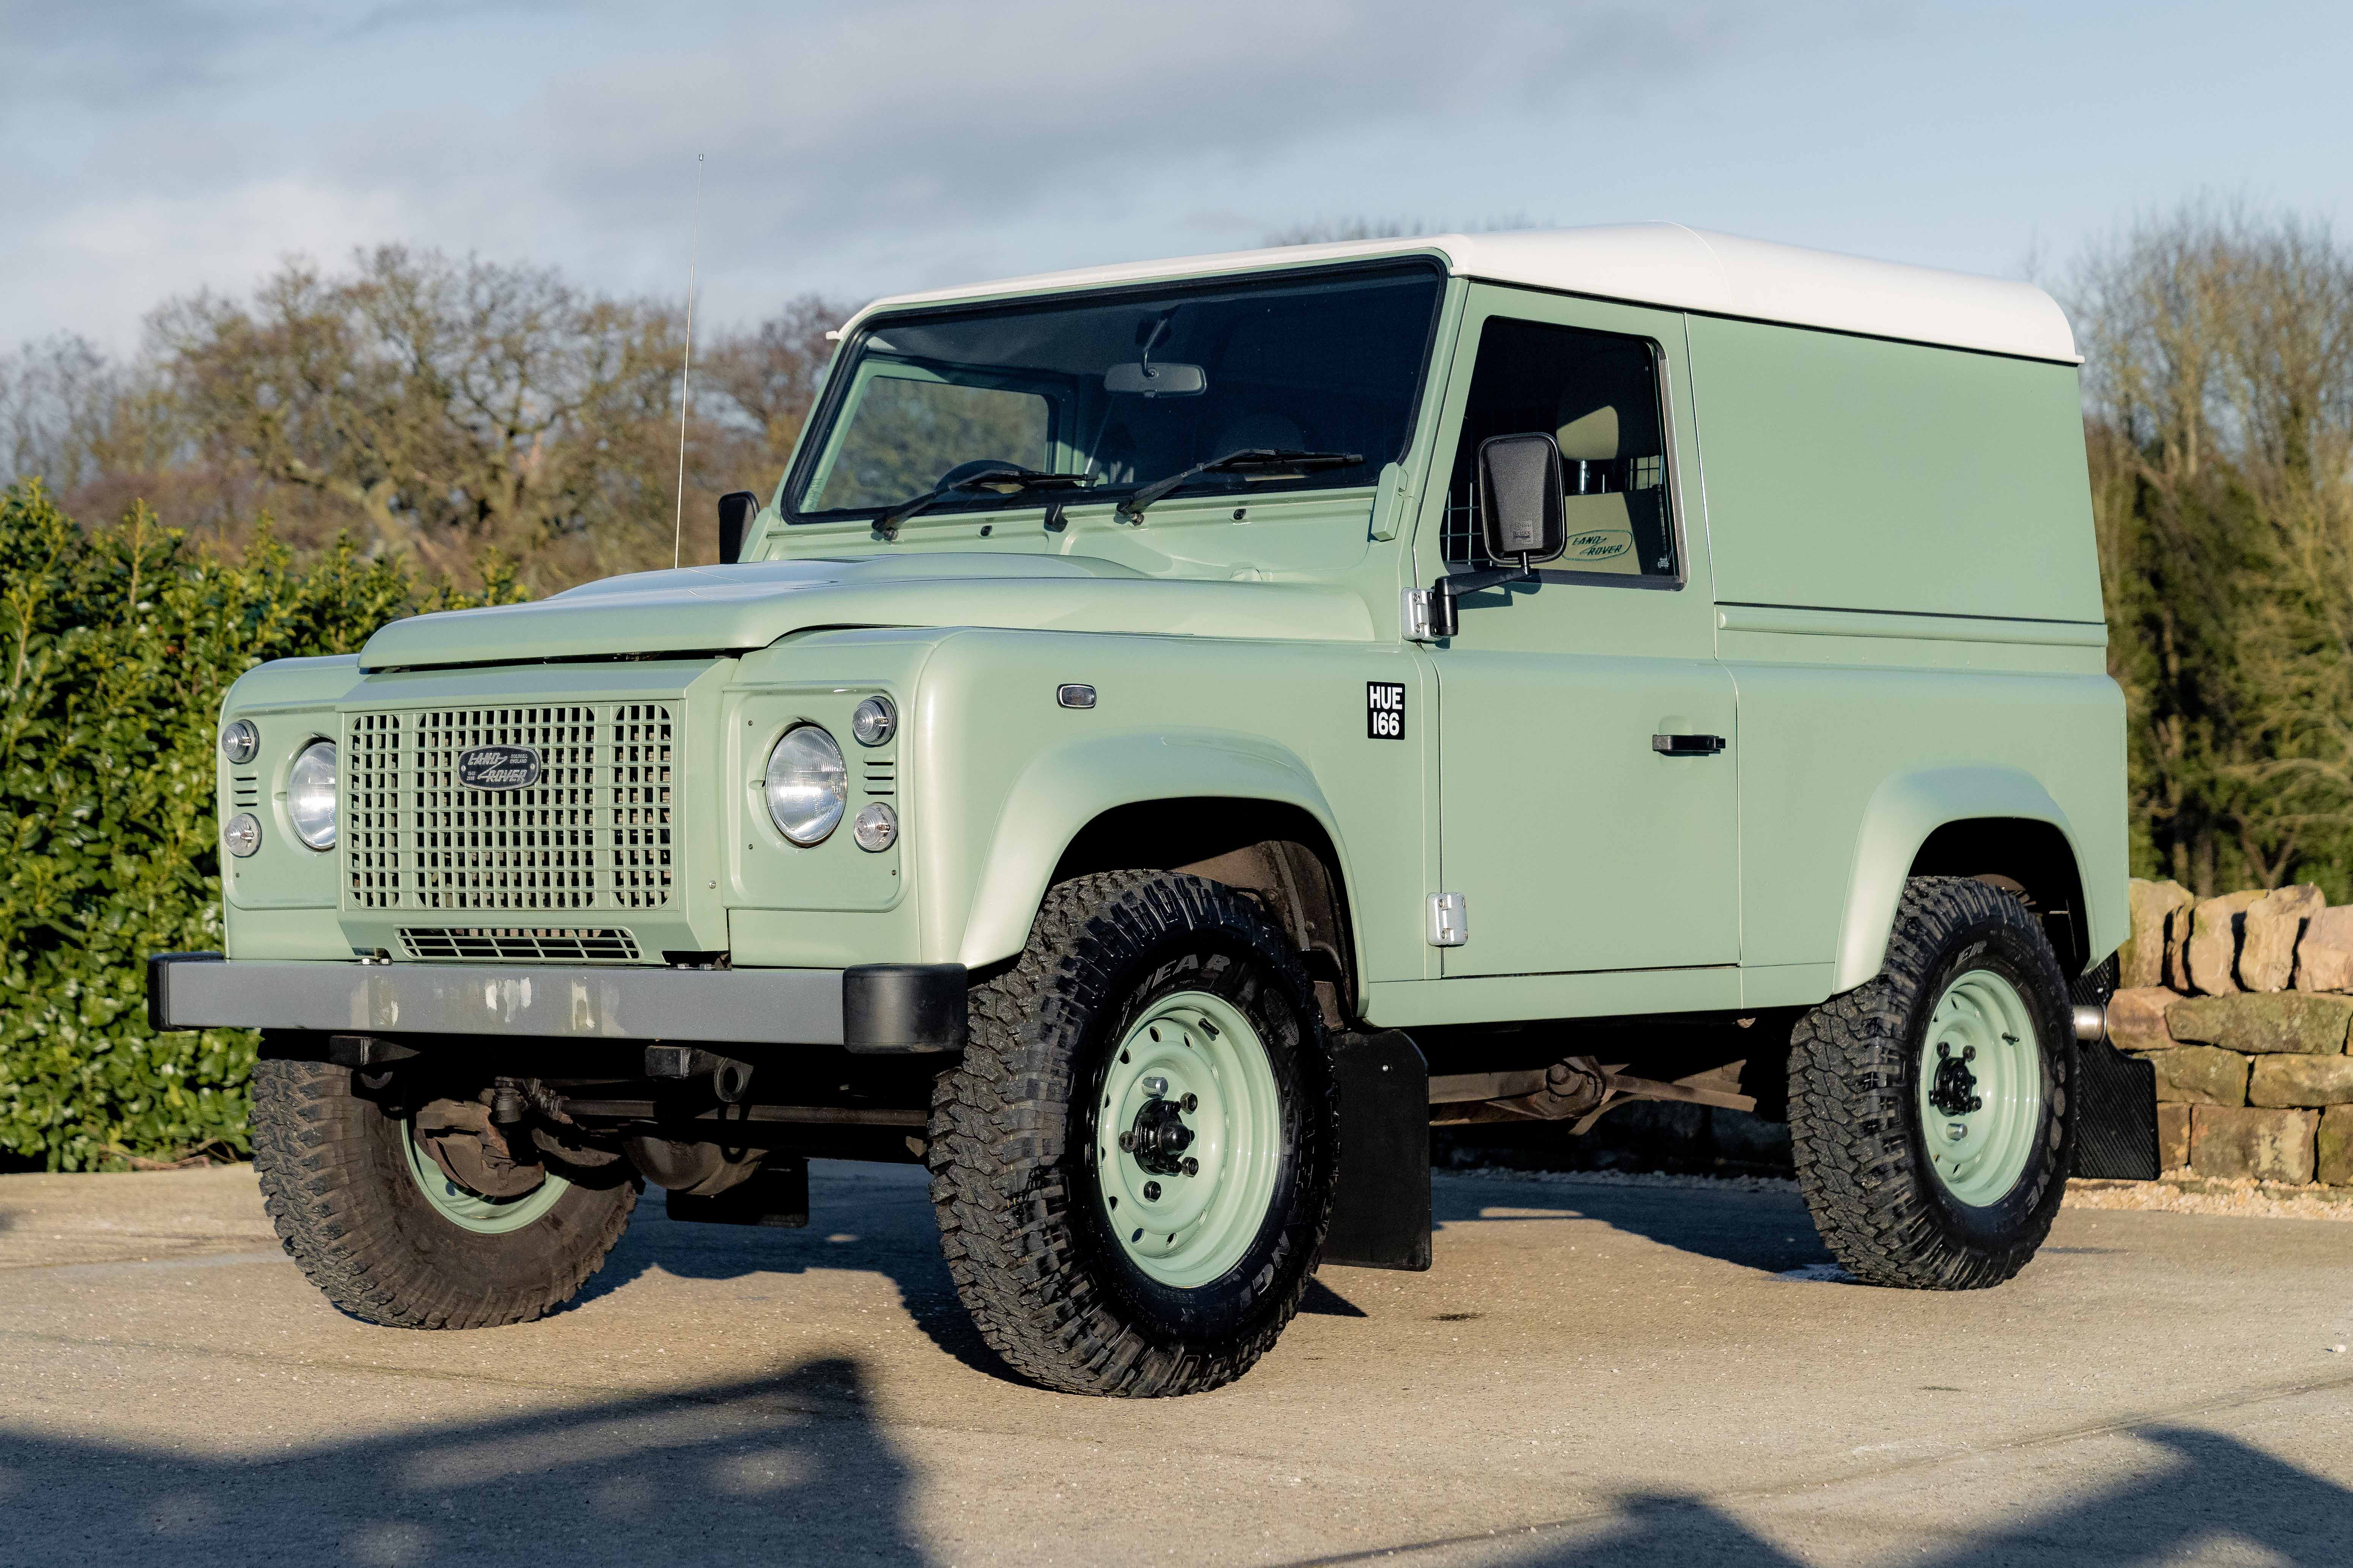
x=336, y=1184
x=1854, y=1116
x=1012, y=1143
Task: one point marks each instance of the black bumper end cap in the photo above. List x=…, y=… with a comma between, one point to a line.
x=903, y=1008
x=159, y=987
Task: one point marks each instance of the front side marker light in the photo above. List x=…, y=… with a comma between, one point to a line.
x=311, y=796
x=875, y=721
x=807, y=784
x=877, y=828
x=240, y=742
x=242, y=833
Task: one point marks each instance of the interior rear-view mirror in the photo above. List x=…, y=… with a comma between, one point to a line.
x=1520, y=510
x=736, y=510
x=1165, y=379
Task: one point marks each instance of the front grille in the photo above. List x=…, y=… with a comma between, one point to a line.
x=593, y=832
x=552, y=946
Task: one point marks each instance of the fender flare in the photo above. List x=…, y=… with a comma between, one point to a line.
x=1902, y=812
x=1065, y=788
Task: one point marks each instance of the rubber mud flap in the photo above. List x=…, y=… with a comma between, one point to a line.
x=1381, y=1210
x=893, y=1008
x=2115, y=1127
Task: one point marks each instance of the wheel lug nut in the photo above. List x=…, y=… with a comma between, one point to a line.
x=1192, y=1102
x=1192, y=1166
x=1128, y=1142
x=1969, y=1053
x=1977, y=1102
x=1155, y=1086
x=1152, y=1191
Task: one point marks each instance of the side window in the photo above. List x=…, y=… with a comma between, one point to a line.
x=1597, y=394
x=905, y=434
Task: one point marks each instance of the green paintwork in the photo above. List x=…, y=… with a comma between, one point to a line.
x=1979, y=1155
x=1188, y=1230
x=1889, y=609
x=469, y=1210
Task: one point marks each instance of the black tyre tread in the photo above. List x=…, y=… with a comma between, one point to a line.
x=997, y=1131
x=324, y=1175
x=1849, y=1122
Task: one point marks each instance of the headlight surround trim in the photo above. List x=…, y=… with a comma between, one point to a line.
x=313, y=797
x=806, y=785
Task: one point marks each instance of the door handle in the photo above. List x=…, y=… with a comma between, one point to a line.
x=1687, y=745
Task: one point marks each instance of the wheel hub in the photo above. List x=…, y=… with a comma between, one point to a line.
x=1980, y=1093
x=1159, y=1138
x=1188, y=1139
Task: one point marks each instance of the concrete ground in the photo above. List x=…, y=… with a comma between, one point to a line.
x=1591, y=1376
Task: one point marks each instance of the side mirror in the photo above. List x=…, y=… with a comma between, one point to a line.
x=1520, y=512
x=736, y=510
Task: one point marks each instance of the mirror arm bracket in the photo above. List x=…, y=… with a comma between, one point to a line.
x=1445, y=619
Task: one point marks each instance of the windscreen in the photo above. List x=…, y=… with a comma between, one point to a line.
x=1114, y=394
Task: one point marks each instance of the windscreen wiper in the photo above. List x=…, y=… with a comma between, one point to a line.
x=1007, y=480
x=1268, y=461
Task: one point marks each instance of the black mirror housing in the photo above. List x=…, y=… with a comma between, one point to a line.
x=736, y=510
x=1521, y=515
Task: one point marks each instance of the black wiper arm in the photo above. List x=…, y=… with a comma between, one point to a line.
x=1250, y=459
x=1008, y=479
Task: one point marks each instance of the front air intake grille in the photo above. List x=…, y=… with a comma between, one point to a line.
x=547, y=946
x=590, y=830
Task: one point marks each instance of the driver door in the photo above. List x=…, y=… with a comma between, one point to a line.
x=1587, y=746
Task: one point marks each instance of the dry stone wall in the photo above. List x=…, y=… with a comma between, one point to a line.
x=2241, y=1003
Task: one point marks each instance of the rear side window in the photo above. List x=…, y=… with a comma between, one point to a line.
x=1597, y=393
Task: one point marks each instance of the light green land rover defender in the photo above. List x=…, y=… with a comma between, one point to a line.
x=1177, y=731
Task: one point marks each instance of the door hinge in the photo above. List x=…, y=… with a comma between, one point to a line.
x=1450, y=920
x=1420, y=615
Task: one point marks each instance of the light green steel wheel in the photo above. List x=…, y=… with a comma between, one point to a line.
x=1980, y=1091
x=1188, y=1139
x=467, y=1209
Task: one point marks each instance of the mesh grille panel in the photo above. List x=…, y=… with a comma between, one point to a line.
x=553, y=946
x=591, y=832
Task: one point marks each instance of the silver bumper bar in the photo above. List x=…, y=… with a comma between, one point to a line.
x=876, y=1007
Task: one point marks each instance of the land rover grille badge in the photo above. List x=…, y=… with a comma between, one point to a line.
x=498, y=767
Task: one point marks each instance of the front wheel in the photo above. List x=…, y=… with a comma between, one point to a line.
x=1931, y=1110
x=414, y=1212
x=1132, y=1166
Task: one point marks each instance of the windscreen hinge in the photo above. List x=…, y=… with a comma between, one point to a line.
x=1421, y=616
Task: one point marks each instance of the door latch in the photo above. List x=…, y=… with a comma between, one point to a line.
x=1687, y=745
x=1450, y=920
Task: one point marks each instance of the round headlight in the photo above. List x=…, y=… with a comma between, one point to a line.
x=240, y=741
x=310, y=795
x=877, y=828
x=242, y=833
x=807, y=784
x=875, y=721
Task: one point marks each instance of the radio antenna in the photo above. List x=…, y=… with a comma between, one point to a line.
x=685, y=369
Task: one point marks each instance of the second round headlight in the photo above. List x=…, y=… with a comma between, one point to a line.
x=310, y=795
x=807, y=784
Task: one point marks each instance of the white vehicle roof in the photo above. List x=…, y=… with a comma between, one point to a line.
x=1657, y=264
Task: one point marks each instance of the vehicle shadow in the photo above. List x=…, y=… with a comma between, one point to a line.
x=786, y=1469
x=2210, y=1499
x=1767, y=1230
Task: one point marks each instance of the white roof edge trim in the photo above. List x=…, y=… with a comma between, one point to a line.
x=1662, y=264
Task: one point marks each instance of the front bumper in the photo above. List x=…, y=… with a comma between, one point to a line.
x=872, y=1007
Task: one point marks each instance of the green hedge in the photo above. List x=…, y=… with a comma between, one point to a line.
x=116, y=646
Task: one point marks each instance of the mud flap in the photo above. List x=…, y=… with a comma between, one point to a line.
x=1380, y=1211
x=2116, y=1124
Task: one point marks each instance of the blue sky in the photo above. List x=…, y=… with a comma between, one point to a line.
x=149, y=149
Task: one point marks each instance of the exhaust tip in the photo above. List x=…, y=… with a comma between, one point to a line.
x=2091, y=1023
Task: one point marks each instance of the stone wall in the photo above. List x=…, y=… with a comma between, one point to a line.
x=2242, y=1003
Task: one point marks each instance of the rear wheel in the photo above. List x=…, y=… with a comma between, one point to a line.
x=1932, y=1110
x=1132, y=1166
x=405, y=1214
